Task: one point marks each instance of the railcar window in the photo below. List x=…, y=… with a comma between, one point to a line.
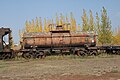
x=5, y=40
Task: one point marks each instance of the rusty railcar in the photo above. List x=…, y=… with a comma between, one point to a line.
x=6, y=51
x=36, y=44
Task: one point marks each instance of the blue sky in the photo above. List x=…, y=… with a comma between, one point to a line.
x=14, y=13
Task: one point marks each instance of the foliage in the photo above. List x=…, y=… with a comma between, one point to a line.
x=102, y=25
x=85, y=27
x=97, y=23
x=91, y=22
x=37, y=26
x=116, y=37
x=104, y=31
x=73, y=22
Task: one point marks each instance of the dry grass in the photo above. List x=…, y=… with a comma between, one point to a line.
x=41, y=69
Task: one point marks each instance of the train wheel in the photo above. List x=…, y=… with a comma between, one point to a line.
x=7, y=56
x=81, y=53
x=27, y=55
x=78, y=53
x=40, y=55
x=118, y=52
x=0, y=57
x=93, y=53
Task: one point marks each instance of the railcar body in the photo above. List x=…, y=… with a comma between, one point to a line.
x=37, y=44
x=57, y=40
x=5, y=49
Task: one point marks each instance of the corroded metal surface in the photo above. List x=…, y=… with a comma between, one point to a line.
x=57, y=38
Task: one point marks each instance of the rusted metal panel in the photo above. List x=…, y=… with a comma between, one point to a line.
x=66, y=40
x=77, y=40
x=36, y=34
x=57, y=38
x=29, y=41
x=33, y=38
x=40, y=41
x=60, y=39
x=48, y=41
x=56, y=41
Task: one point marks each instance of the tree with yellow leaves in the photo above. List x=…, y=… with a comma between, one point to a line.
x=74, y=25
x=52, y=22
x=37, y=25
x=32, y=26
x=57, y=19
x=40, y=26
x=73, y=22
x=67, y=22
x=45, y=25
x=78, y=27
x=61, y=19
x=91, y=22
x=85, y=27
x=116, y=37
x=105, y=32
x=27, y=26
x=48, y=25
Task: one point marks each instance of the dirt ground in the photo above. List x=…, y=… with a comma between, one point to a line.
x=62, y=68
